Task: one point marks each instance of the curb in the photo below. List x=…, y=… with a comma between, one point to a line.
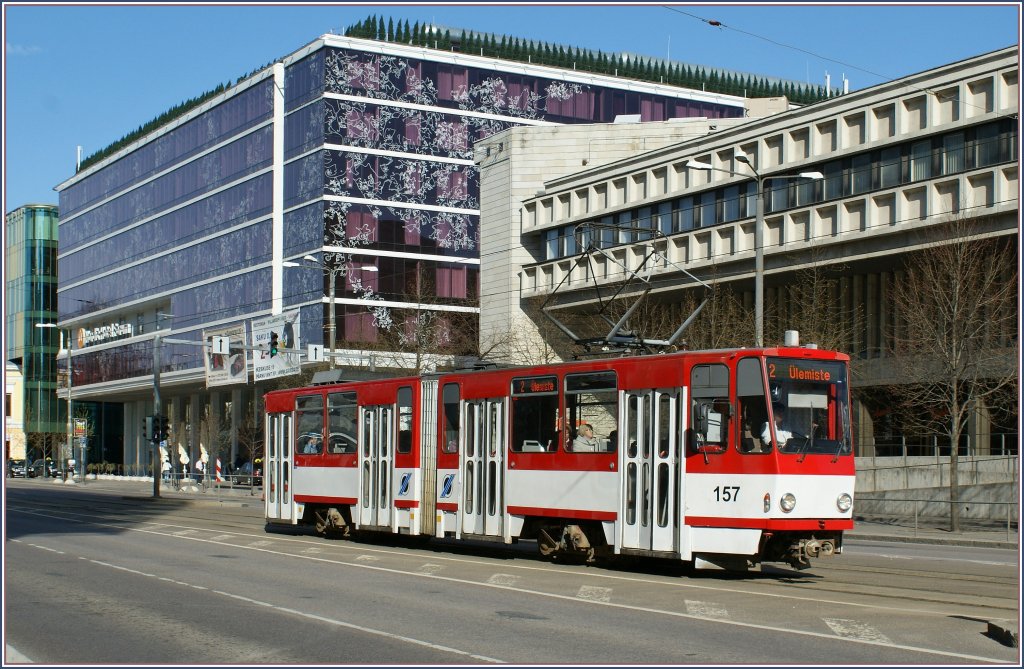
x=219, y=501
x=935, y=541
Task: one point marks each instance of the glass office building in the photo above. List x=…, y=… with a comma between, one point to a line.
x=356, y=152
x=31, y=292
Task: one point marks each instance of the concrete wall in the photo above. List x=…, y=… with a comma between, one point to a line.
x=909, y=488
x=899, y=474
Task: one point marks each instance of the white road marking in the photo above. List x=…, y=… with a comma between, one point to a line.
x=593, y=593
x=705, y=609
x=367, y=558
x=259, y=544
x=675, y=614
x=503, y=579
x=222, y=537
x=311, y=616
x=855, y=629
x=430, y=568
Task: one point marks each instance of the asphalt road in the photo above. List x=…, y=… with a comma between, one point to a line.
x=93, y=577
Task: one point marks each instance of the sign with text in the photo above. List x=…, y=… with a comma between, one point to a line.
x=224, y=369
x=286, y=327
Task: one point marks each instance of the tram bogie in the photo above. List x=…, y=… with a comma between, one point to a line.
x=723, y=459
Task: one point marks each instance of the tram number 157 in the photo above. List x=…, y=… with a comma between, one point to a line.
x=727, y=493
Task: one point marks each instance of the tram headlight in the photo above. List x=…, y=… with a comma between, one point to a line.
x=787, y=502
x=844, y=503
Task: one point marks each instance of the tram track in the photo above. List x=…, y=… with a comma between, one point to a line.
x=905, y=589
x=848, y=596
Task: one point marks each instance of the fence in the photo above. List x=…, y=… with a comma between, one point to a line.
x=932, y=510
x=938, y=446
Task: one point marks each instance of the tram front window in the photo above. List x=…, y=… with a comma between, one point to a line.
x=810, y=411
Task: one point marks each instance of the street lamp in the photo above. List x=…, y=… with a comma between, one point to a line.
x=758, y=231
x=332, y=274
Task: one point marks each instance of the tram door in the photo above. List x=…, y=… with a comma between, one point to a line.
x=483, y=468
x=649, y=460
x=376, y=445
x=278, y=468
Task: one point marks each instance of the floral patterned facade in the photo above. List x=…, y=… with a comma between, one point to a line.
x=176, y=232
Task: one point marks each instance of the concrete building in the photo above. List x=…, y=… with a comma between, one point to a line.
x=893, y=162
x=15, y=444
x=355, y=152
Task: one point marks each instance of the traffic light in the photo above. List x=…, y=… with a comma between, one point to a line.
x=273, y=344
x=147, y=428
x=163, y=430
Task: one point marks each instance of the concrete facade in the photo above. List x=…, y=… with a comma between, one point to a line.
x=898, y=160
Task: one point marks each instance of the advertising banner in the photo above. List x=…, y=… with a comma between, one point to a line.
x=286, y=327
x=225, y=370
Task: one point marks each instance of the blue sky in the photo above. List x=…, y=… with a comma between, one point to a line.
x=86, y=75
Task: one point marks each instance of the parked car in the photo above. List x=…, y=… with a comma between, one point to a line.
x=245, y=475
x=42, y=467
x=16, y=469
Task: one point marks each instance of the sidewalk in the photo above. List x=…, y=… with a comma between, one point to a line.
x=972, y=533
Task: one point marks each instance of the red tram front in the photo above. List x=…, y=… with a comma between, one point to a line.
x=724, y=458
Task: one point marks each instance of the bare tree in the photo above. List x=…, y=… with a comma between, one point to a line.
x=810, y=303
x=214, y=435
x=954, y=338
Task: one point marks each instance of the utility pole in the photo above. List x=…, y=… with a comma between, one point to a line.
x=157, y=345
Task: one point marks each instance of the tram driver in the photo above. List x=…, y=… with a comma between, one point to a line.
x=782, y=434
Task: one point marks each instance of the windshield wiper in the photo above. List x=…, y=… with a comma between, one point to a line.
x=808, y=442
x=839, y=449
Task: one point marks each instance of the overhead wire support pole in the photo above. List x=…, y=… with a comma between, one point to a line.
x=157, y=464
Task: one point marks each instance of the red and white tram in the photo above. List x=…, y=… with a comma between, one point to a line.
x=689, y=460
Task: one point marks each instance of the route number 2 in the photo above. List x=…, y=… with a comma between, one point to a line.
x=727, y=493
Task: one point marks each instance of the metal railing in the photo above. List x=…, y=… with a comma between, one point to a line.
x=939, y=446
x=943, y=505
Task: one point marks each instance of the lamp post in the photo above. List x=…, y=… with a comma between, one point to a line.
x=758, y=231
x=332, y=275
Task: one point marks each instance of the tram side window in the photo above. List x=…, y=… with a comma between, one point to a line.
x=342, y=416
x=309, y=419
x=405, y=419
x=752, y=405
x=710, y=411
x=591, y=399
x=535, y=423
x=450, y=401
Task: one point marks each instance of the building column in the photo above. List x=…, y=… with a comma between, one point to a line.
x=979, y=429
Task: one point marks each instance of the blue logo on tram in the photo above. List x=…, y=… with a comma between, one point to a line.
x=403, y=488
x=446, y=487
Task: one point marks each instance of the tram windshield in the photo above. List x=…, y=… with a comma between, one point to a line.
x=810, y=407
